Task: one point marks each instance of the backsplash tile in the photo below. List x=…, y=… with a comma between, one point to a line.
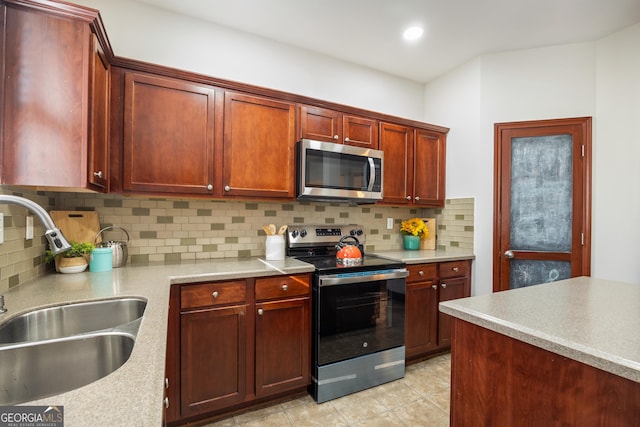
x=169, y=230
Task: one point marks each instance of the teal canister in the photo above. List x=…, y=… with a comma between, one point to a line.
x=101, y=260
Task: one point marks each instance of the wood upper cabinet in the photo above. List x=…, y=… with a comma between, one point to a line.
x=168, y=142
x=99, y=121
x=258, y=153
x=414, y=164
x=323, y=124
x=53, y=96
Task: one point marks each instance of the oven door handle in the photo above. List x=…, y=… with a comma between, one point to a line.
x=344, y=279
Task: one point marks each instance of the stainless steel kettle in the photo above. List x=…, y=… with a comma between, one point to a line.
x=119, y=249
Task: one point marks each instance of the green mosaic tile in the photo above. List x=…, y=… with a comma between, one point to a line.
x=217, y=226
x=454, y=244
x=37, y=261
x=442, y=227
x=288, y=208
x=210, y=248
x=180, y=204
x=468, y=228
x=374, y=231
x=231, y=239
x=8, y=221
x=203, y=212
x=172, y=257
x=321, y=208
x=165, y=220
x=437, y=212
x=14, y=280
x=298, y=220
x=366, y=210
x=459, y=217
x=244, y=253
x=148, y=234
x=187, y=241
x=140, y=211
x=251, y=206
x=344, y=214
x=112, y=203
x=329, y=220
x=270, y=213
x=386, y=237
x=237, y=220
x=140, y=259
x=28, y=243
x=378, y=215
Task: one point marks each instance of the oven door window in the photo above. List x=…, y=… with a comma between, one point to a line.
x=358, y=319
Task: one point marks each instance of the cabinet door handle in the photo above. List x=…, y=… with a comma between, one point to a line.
x=417, y=198
x=227, y=188
x=420, y=273
x=456, y=269
x=285, y=287
x=347, y=139
x=336, y=137
x=166, y=383
x=215, y=294
x=166, y=402
x=408, y=197
x=434, y=287
x=260, y=311
x=209, y=187
x=444, y=285
x=98, y=174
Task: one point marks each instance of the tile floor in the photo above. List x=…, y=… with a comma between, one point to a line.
x=421, y=398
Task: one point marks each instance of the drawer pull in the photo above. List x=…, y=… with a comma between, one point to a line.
x=285, y=288
x=444, y=285
x=420, y=273
x=456, y=269
x=215, y=294
x=260, y=311
x=434, y=287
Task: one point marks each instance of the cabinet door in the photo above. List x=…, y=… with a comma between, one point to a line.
x=258, y=148
x=283, y=346
x=421, y=318
x=360, y=131
x=429, y=168
x=168, y=135
x=212, y=359
x=320, y=124
x=450, y=289
x=99, y=123
x=397, y=143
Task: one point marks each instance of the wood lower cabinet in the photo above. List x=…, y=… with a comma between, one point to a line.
x=54, y=82
x=168, y=135
x=231, y=344
x=415, y=163
x=323, y=124
x=258, y=147
x=427, y=330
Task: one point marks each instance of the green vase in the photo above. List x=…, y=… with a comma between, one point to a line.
x=411, y=243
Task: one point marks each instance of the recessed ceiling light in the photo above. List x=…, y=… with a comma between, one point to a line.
x=413, y=33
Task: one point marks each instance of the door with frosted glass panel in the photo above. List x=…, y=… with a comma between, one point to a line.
x=542, y=209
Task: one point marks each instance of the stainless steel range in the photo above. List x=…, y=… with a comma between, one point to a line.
x=358, y=312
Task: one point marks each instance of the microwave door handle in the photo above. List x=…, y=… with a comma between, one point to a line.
x=372, y=174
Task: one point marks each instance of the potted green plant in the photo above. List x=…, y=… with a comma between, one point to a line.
x=74, y=260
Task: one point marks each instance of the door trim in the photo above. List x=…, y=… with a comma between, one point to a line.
x=585, y=123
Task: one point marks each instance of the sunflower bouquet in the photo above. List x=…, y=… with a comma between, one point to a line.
x=414, y=227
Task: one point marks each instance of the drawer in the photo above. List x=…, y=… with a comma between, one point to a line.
x=421, y=272
x=282, y=287
x=455, y=269
x=208, y=294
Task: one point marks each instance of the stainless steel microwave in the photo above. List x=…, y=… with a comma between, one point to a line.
x=328, y=171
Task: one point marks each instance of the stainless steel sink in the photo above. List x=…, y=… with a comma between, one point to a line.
x=37, y=370
x=71, y=319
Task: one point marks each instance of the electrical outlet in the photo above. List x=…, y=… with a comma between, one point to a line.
x=389, y=223
x=29, y=228
x=1, y=228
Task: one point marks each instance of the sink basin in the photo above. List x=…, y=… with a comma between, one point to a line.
x=71, y=319
x=37, y=370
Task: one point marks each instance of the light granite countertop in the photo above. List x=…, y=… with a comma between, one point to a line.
x=426, y=256
x=593, y=321
x=132, y=395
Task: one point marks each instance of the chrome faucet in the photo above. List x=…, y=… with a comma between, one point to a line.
x=57, y=242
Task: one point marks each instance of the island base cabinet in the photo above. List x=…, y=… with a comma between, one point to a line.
x=500, y=381
x=212, y=359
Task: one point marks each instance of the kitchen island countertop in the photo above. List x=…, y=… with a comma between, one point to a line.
x=593, y=321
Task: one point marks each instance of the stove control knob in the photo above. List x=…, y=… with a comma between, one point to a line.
x=352, y=232
x=294, y=233
x=303, y=233
x=359, y=232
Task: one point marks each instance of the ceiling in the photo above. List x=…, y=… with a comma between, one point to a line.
x=369, y=32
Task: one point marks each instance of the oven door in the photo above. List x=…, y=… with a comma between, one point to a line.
x=358, y=313
x=337, y=171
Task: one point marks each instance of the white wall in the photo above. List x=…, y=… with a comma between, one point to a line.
x=587, y=79
x=150, y=34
